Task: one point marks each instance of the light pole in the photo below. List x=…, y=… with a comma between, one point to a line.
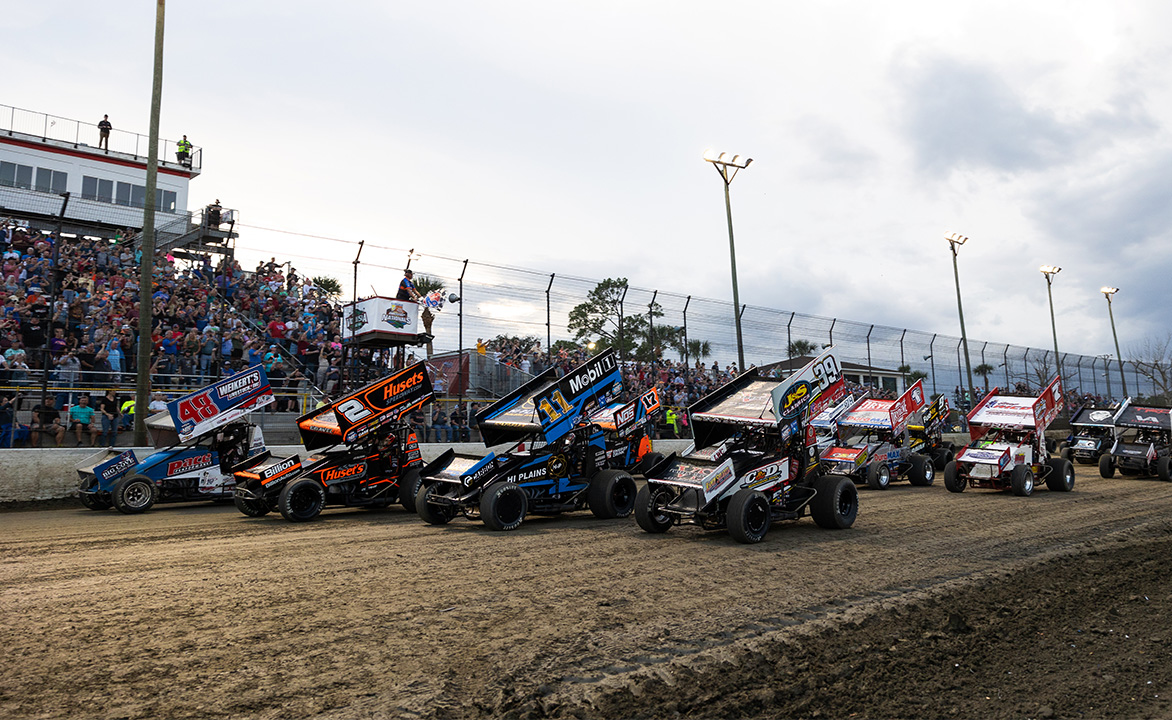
x=1107, y=366
x=1107, y=293
x=955, y=240
x=1049, y=271
x=722, y=163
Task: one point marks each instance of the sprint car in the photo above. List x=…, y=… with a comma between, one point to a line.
x=1093, y=435
x=362, y=454
x=1008, y=448
x=875, y=445
x=201, y=439
x=558, y=458
x=753, y=465
x=1143, y=445
x=928, y=436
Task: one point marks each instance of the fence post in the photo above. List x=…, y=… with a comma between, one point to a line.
x=789, y=340
x=870, y=369
x=651, y=324
x=622, y=300
x=686, y=303
x=1005, y=364
x=548, y=330
x=932, y=357
x=832, y=322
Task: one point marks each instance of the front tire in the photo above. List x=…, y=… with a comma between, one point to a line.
x=1164, y=469
x=503, y=506
x=1021, y=481
x=302, y=500
x=93, y=501
x=1061, y=477
x=923, y=472
x=748, y=516
x=251, y=507
x=431, y=514
x=952, y=479
x=649, y=461
x=878, y=476
x=134, y=494
x=1106, y=466
x=836, y=502
x=611, y=494
x=409, y=488
x=648, y=503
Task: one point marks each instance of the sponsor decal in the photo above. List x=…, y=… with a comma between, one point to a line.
x=765, y=475
x=794, y=396
x=718, y=480
x=1100, y=415
x=274, y=470
x=117, y=466
x=556, y=466
x=592, y=372
x=982, y=455
x=195, y=462
x=396, y=316
x=342, y=473
x=244, y=384
x=538, y=473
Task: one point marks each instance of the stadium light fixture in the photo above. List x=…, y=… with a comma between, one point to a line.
x=1049, y=271
x=1107, y=293
x=722, y=163
x=955, y=240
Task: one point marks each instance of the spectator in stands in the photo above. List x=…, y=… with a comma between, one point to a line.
x=110, y=410
x=104, y=128
x=439, y=424
x=47, y=421
x=459, y=422
x=81, y=419
x=418, y=421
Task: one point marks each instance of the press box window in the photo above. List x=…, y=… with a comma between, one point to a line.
x=51, y=180
x=14, y=175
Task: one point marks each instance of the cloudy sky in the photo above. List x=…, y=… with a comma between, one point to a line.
x=567, y=137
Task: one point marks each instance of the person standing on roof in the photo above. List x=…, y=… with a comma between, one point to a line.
x=183, y=152
x=104, y=128
x=407, y=289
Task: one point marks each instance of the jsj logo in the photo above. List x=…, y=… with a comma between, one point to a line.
x=188, y=464
x=341, y=473
x=795, y=396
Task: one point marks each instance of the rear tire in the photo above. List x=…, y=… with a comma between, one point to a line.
x=1021, y=481
x=1106, y=466
x=878, y=476
x=648, y=501
x=611, y=494
x=649, y=461
x=409, y=488
x=92, y=500
x=1061, y=477
x=943, y=457
x=134, y=494
x=302, y=500
x=432, y=514
x=748, y=516
x=1067, y=453
x=250, y=507
x=1164, y=469
x=503, y=506
x=952, y=479
x=923, y=472
x=836, y=504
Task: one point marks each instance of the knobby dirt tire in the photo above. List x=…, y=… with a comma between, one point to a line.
x=1106, y=466
x=836, y=504
x=1061, y=477
x=409, y=488
x=431, y=514
x=923, y=472
x=748, y=516
x=251, y=507
x=611, y=494
x=302, y=499
x=503, y=506
x=1021, y=481
x=134, y=494
x=648, y=501
x=952, y=479
x=878, y=476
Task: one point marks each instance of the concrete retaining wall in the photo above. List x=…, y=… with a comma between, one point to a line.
x=50, y=474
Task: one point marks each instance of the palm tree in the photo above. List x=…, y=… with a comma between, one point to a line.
x=425, y=285
x=984, y=370
x=328, y=285
x=800, y=348
x=699, y=349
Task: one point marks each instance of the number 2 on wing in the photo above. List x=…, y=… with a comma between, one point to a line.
x=354, y=410
x=196, y=409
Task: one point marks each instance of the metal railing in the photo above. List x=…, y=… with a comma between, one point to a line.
x=81, y=134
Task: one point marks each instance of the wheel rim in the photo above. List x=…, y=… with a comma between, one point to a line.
x=305, y=499
x=756, y=515
x=622, y=496
x=1028, y=485
x=929, y=471
x=136, y=495
x=884, y=476
x=1068, y=477
x=659, y=500
x=508, y=506
x=845, y=503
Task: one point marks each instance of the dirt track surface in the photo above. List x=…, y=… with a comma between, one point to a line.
x=976, y=605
